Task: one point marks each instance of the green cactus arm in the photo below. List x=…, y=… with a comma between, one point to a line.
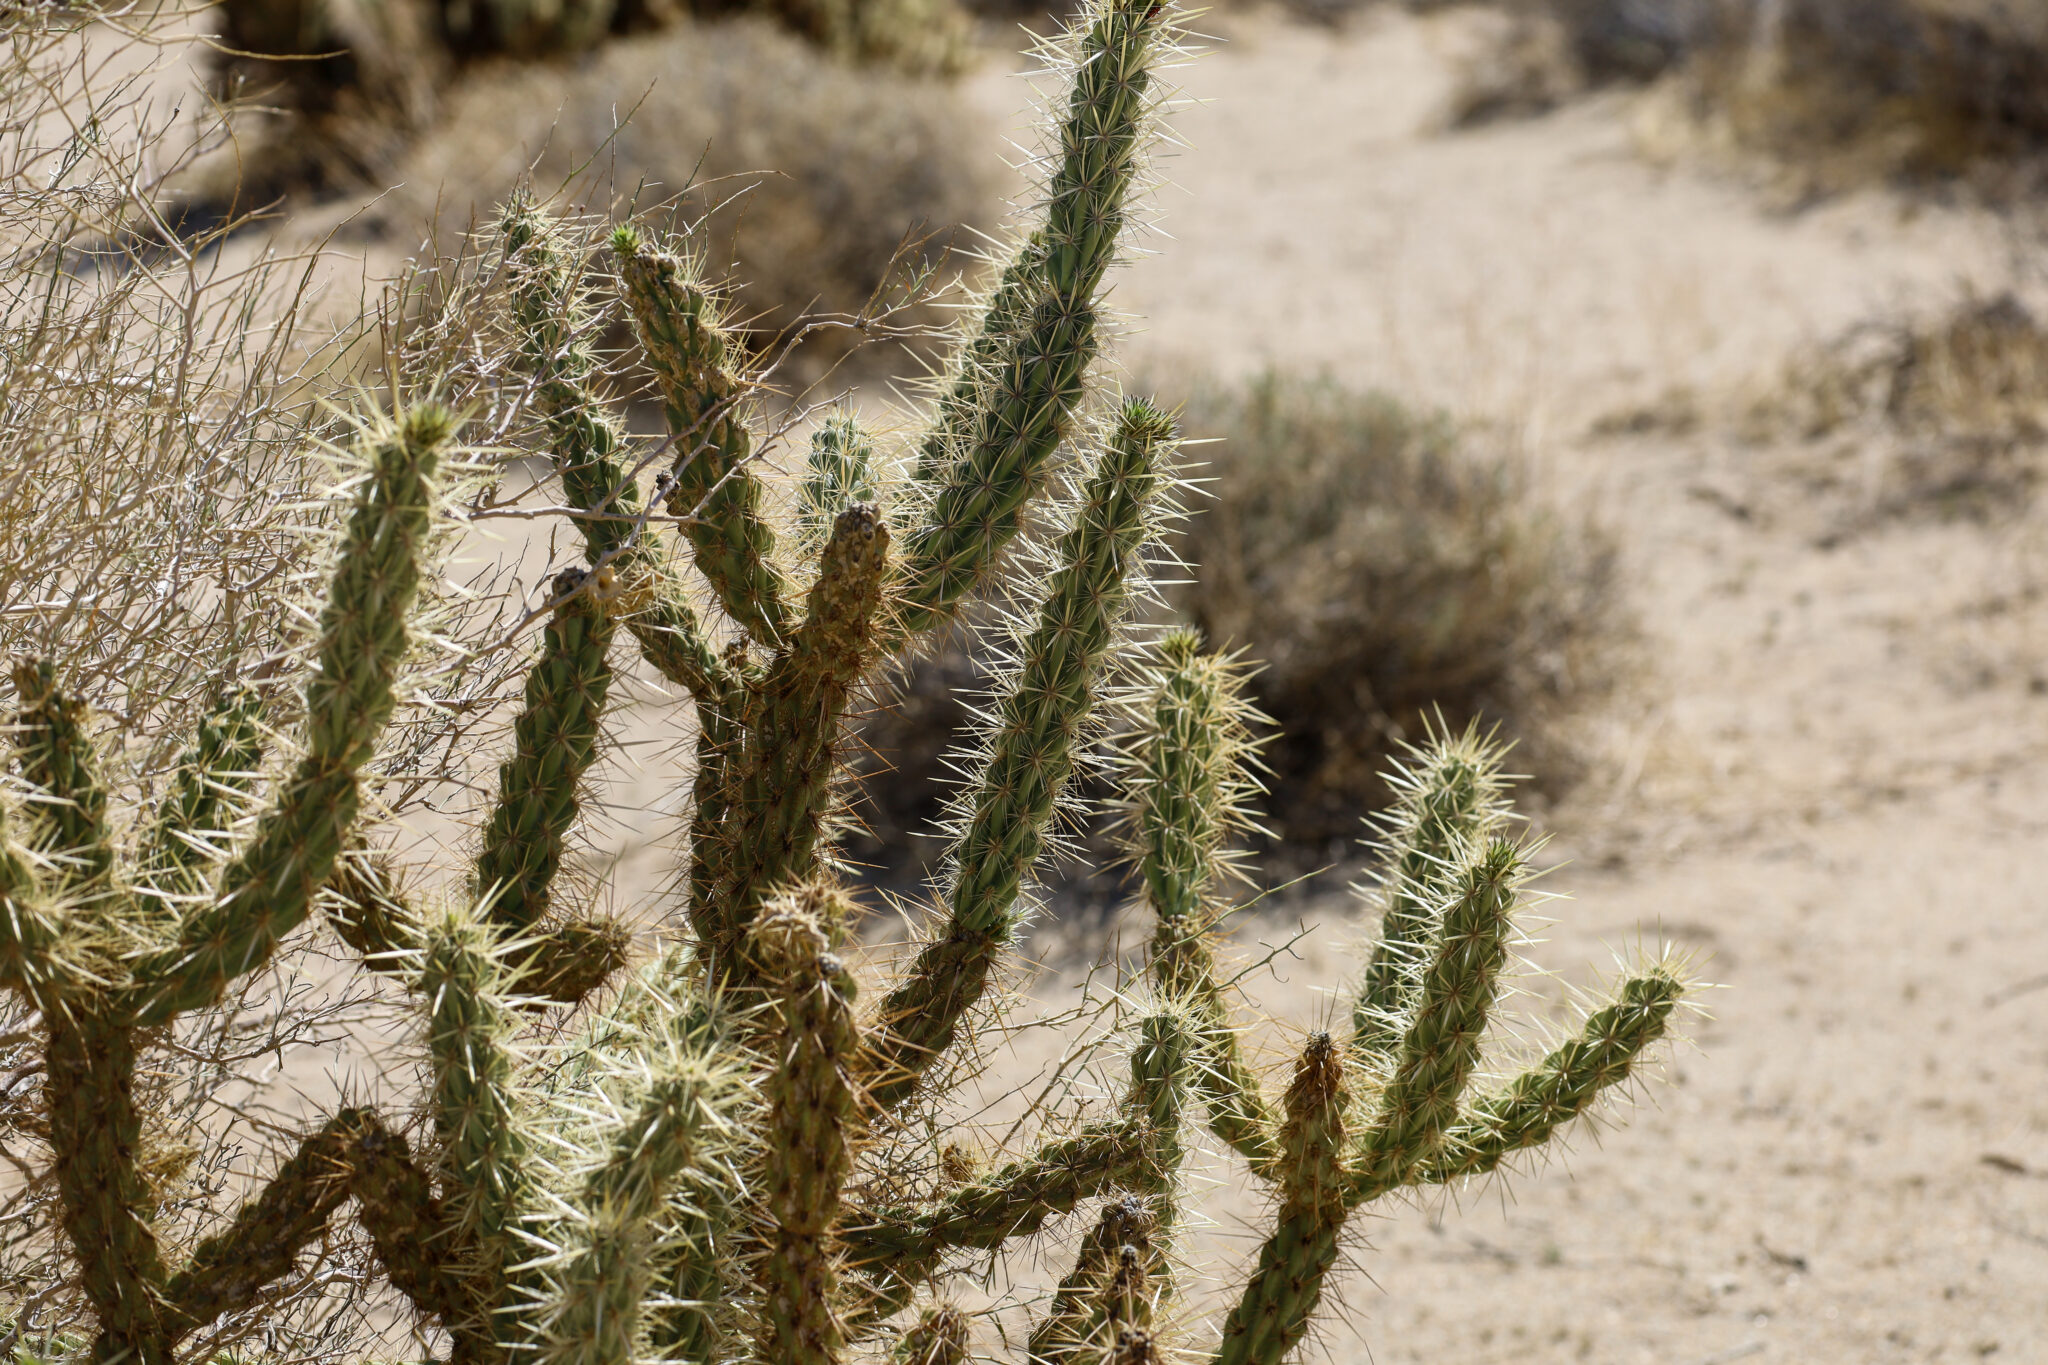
x=554, y=743
x=1273, y=1312
x=67, y=810
x=811, y=1111
x=1032, y=752
x=37, y=959
x=940, y=1336
x=1454, y=996
x=228, y=1271
x=782, y=773
x=1071, y=1319
x=719, y=731
x=552, y=316
x=1531, y=1108
x=1018, y=290
x=1163, y=1065
x=104, y=1197
x=469, y=1033
x=416, y=1243
x=1448, y=802
x=681, y=1132
x=1022, y=410
x=1187, y=789
x=901, y=1247
x=839, y=473
x=711, y=481
x=213, y=781
x=269, y=888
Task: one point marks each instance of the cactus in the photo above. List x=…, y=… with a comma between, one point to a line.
x=691, y=1154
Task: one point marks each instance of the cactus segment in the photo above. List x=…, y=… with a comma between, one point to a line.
x=1079, y=1305
x=903, y=1246
x=416, y=1242
x=1448, y=802
x=213, y=782
x=33, y=952
x=469, y=1029
x=811, y=1110
x=711, y=482
x=1037, y=728
x=840, y=473
x=95, y=1136
x=1532, y=1107
x=940, y=1336
x=1009, y=307
x=67, y=813
x=269, y=888
x=229, y=1269
x=554, y=743
x=1273, y=1313
x=552, y=317
x=780, y=781
x=1455, y=994
x=1161, y=1068
x=591, y=1312
x=1188, y=786
x=1024, y=405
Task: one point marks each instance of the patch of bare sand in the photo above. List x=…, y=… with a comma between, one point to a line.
x=1831, y=786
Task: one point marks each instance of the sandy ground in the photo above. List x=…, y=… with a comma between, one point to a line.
x=1828, y=784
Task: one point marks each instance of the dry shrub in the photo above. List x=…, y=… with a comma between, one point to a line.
x=1385, y=569
x=814, y=174
x=1846, y=92
x=1944, y=416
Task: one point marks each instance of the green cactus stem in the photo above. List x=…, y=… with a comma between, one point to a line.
x=711, y=482
x=940, y=1336
x=554, y=743
x=1071, y=1320
x=212, y=786
x=811, y=1112
x=1032, y=752
x=839, y=473
x=1448, y=802
x=1273, y=1312
x=1530, y=1109
x=1024, y=406
x=67, y=807
x=269, y=888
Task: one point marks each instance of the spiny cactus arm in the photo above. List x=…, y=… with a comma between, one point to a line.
x=1162, y=1067
x=681, y=1132
x=1188, y=785
x=940, y=1336
x=95, y=1136
x=554, y=743
x=902, y=1247
x=469, y=1033
x=416, y=1242
x=1032, y=754
x=1071, y=1319
x=36, y=957
x=1009, y=308
x=1273, y=1312
x=1529, y=1110
x=811, y=1111
x=720, y=729
x=552, y=314
x=1448, y=802
x=228, y=1271
x=1024, y=408
x=1459, y=984
x=711, y=482
x=214, y=778
x=268, y=889
x=67, y=810
x=783, y=772
x=839, y=473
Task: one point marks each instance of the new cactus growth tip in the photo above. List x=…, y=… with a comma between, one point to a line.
x=689, y=1153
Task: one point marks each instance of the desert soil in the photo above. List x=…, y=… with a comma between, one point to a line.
x=1825, y=782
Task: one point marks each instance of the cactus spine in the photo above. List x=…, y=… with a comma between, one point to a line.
x=701, y=1163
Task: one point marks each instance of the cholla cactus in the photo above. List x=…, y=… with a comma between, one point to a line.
x=690, y=1166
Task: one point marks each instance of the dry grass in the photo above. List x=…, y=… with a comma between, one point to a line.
x=1384, y=567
